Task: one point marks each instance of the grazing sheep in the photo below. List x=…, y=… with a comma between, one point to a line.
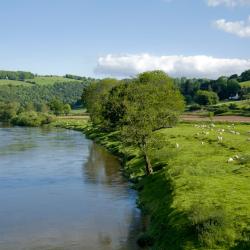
x=236, y=157
x=220, y=138
x=230, y=160
x=177, y=145
x=202, y=143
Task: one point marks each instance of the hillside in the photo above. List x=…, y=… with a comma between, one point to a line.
x=245, y=84
x=41, y=80
x=42, y=89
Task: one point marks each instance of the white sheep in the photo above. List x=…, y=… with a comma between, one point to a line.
x=236, y=157
x=220, y=138
x=177, y=145
x=230, y=160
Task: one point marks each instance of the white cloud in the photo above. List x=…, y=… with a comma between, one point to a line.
x=229, y=3
x=238, y=28
x=175, y=65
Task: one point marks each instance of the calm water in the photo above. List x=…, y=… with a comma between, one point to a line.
x=59, y=190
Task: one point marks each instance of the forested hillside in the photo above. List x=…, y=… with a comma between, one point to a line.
x=26, y=87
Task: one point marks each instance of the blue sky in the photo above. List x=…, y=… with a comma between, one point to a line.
x=123, y=37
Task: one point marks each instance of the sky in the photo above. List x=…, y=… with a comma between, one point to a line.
x=121, y=38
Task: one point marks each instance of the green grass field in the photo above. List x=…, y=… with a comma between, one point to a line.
x=208, y=173
x=43, y=80
x=199, y=194
x=40, y=80
x=14, y=83
x=245, y=84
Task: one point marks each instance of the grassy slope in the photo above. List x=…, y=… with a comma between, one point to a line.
x=41, y=80
x=245, y=84
x=14, y=83
x=197, y=200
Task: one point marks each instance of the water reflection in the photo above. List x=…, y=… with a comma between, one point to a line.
x=62, y=191
x=102, y=167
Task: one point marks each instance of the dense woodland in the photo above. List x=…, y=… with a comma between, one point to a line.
x=224, y=87
x=16, y=75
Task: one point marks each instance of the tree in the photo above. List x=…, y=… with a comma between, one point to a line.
x=152, y=102
x=94, y=97
x=66, y=109
x=8, y=111
x=233, y=87
x=245, y=76
x=114, y=108
x=220, y=87
x=204, y=97
x=56, y=106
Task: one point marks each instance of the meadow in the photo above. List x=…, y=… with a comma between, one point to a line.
x=198, y=195
x=245, y=84
x=40, y=80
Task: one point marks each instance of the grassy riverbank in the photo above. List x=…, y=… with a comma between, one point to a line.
x=198, y=196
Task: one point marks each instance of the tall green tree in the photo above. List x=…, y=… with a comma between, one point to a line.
x=152, y=102
x=94, y=97
x=204, y=97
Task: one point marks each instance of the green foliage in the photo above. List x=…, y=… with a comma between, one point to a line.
x=233, y=87
x=31, y=119
x=67, y=92
x=81, y=78
x=204, y=97
x=94, y=97
x=221, y=109
x=16, y=75
x=224, y=87
x=245, y=76
x=56, y=106
x=195, y=107
x=233, y=106
x=66, y=109
x=8, y=111
x=146, y=104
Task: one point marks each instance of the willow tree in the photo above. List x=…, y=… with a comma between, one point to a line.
x=152, y=102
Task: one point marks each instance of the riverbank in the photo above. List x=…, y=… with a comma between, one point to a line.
x=198, y=196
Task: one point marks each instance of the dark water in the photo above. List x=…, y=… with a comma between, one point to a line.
x=59, y=190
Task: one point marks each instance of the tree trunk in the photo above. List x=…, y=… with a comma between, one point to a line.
x=149, y=168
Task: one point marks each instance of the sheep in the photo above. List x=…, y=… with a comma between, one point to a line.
x=202, y=143
x=220, y=138
x=230, y=160
x=236, y=157
x=177, y=145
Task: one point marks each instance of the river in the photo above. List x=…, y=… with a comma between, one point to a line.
x=59, y=190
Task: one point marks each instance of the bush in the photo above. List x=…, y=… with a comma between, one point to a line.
x=31, y=119
x=233, y=106
x=221, y=109
x=204, y=97
x=194, y=107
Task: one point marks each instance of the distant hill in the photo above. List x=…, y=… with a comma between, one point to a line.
x=41, y=89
